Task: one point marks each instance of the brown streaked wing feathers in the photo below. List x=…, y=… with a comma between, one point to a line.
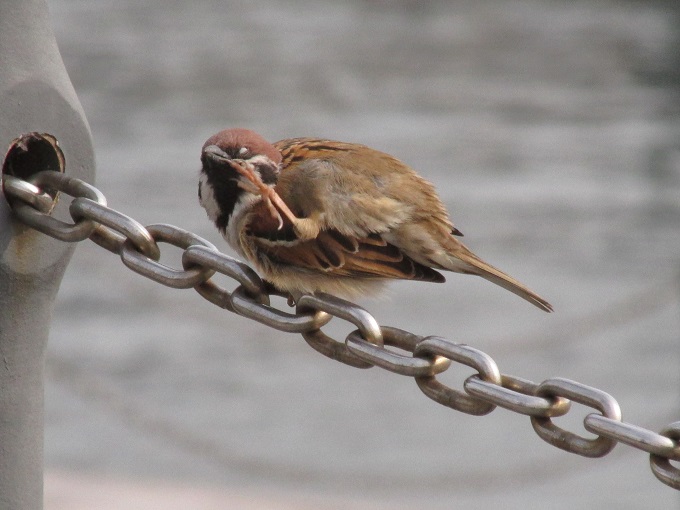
x=335, y=254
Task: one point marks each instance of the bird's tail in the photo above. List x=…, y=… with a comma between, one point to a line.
x=475, y=265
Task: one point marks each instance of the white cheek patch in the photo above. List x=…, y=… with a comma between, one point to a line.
x=242, y=208
x=260, y=158
x=207, y=198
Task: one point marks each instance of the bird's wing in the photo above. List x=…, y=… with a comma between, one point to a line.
x=335, y=254
x=354, y=200
x=354, y=189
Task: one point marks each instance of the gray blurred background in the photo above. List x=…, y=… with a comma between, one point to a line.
x=552, y=132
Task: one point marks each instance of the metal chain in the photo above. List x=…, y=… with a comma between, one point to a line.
x=369, y=345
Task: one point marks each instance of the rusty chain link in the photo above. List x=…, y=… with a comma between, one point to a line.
x=369, y=345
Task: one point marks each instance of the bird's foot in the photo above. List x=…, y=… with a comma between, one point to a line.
x=275, y=205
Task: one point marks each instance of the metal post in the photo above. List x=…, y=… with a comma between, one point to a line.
x=35, y=95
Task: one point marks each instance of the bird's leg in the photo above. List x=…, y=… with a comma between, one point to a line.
x=305, y=228
x=266, y=194
x=276, y=206
x=275, y=203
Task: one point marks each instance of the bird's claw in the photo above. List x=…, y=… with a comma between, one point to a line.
x=274, y=212
x=276, y=206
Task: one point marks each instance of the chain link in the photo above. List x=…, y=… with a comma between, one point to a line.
x=317, y=339
x=518, y=395
x=412, y=366
x=133, y=231
x=423, y=358
x=27, y=192
x=466, y=355
x=661, y=464
x=228, y=266
x=277, y=319
x=58, y=182
x=587, y=396
x=184, y=278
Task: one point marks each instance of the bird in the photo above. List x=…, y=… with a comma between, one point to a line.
x=322, y=216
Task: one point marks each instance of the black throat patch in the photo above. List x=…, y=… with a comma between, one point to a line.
x=226, y=192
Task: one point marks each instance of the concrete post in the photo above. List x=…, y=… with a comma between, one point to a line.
x=35, y=95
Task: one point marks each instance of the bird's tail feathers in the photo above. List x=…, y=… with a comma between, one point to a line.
x=475, y=265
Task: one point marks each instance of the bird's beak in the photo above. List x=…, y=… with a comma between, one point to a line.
x=216, y=154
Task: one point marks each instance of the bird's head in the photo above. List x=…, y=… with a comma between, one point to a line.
x=231, y=161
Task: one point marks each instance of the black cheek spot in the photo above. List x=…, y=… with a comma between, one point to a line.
x=200, y=197
x=268, y=174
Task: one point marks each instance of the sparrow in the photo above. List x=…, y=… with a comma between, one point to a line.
x=316, y=215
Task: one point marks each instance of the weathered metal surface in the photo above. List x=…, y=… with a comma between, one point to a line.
x=36, y=95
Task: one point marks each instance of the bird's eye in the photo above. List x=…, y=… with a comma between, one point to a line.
x=243, y=151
